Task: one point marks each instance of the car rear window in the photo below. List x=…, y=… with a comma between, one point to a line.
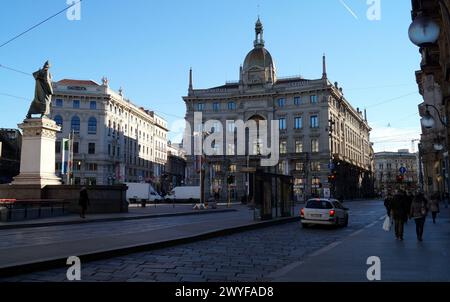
x=318, y=204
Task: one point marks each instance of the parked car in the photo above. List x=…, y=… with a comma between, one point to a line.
x=142, y=192
x=325, y=212
x=184, y=194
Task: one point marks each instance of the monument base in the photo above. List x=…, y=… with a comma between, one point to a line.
x=36, y=179
x=37, y=160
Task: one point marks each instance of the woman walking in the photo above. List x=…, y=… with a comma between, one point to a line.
x=419, y=213
x=434, y=206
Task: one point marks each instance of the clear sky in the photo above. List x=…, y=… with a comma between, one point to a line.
x=147, y=47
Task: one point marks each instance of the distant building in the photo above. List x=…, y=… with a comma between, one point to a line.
x=396, y=170
x=176, y=165
x=10, y=148
x=114, y=140
x=304, y=109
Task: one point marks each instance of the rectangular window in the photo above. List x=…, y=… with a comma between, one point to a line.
x=200, y=107
x=93, y=105
x=230, y=150
x=313, y=99
x=217, y=167
x=282, y=123
x=299, y=166
x=298, y=146
x=297, y=100
x=91, y=148
x=216, y=107
x=109, y=149
x=298, y=123
x=314, y=121
x=58, y=147
x=76, y=104
x=75, y=147
x=59, y=103
x=314, y=145
x=315, y=166
x=281, y=102
x=283, y=147
x=231, y=106
x=92, y=167
x=233, y=169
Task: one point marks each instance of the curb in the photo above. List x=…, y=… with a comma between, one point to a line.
x=102, y=255
x=57, y=223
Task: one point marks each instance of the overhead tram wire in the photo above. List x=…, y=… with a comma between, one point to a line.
x=391, y=100
x=15, y=70
x=38, y=24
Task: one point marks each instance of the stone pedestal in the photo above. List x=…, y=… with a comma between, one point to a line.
x=37, y=161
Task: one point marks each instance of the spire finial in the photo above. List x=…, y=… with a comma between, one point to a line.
x=259, y=30
x=324, y=67
x=191, y=87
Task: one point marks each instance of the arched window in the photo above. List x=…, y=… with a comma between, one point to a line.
x=92, y=125
x=59, y=120
x=75, y=124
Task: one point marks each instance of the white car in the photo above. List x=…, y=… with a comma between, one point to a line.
x=324, y=211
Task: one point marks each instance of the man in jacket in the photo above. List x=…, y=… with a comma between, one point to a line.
x=399, y=212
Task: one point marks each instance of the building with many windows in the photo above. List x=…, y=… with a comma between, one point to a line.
x=114, y=140
x=320, y=132
x=396, y=170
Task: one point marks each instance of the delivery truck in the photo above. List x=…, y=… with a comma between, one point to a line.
x=188, y=194
x=142, y=192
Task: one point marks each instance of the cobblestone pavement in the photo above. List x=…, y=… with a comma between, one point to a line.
x=57, y=234
x=248, y=256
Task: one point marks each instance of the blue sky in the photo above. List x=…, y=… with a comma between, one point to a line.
x=147, y=47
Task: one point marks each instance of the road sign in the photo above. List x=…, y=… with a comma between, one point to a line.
x=402, y=170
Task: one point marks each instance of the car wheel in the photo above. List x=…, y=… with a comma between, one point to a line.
x=305, y=225
x=346, y=222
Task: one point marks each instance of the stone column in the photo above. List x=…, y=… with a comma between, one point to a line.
x=37, y=161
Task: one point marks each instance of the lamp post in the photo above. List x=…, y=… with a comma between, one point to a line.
x=428, y=122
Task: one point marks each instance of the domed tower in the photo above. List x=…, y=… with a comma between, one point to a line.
x=259, y=68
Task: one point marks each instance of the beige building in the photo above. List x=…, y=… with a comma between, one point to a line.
x=114, y=140
x=305, y=109
x=396, y=170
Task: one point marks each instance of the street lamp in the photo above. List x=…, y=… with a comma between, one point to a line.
x=423, y=31
x=428, y=121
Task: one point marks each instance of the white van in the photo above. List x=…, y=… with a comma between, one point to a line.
x=139, y=192
x=184, y=194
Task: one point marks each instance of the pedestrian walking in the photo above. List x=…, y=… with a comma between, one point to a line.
x=399, y=213
x=418, y=212
x=434, y=206
x=83, y=202
x=388, y=203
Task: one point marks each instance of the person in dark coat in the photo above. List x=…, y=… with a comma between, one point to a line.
x=399, y=213
x=83, y=202
x=388, y=203
x=418, y=212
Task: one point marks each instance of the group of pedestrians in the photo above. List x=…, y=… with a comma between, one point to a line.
x=404, y=206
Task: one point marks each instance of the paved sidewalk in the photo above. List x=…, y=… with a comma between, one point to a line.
x=407, y=261
x=135, y=212
x=46, y=247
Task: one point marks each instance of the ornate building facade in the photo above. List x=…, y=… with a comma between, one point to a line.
x=396, y=170
x=114, y=140
x=433, y=80
x=324, y=142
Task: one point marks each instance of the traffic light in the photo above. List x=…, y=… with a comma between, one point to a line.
x=332, y=177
